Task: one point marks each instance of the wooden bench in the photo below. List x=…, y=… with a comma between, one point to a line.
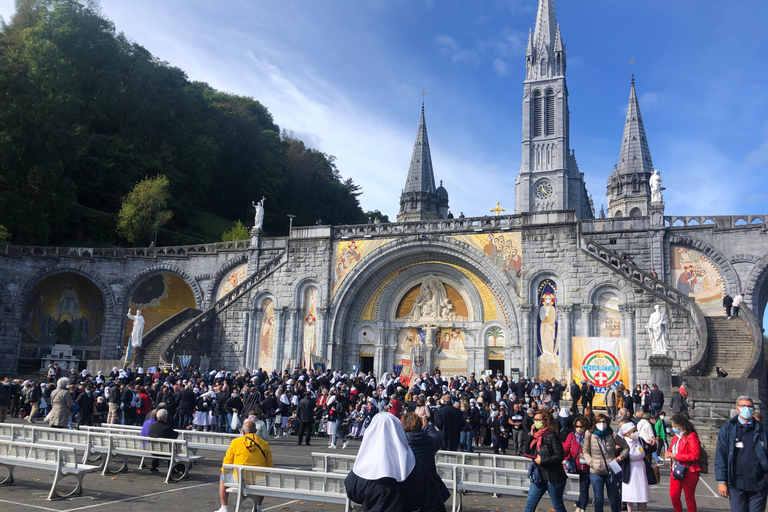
x=254, y=481
x=62, y=461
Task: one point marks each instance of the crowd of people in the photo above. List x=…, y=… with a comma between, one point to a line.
x=425, y=414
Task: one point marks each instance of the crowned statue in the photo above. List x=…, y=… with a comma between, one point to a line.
x=258, y=220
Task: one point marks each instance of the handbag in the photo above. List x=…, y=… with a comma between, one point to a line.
x=534, y=473
x=570, y=465
x=613, y=478
x=678, y=470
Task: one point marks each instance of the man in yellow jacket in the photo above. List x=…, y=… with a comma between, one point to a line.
x=249, y=450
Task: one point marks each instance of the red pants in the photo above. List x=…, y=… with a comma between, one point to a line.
x=687, y=484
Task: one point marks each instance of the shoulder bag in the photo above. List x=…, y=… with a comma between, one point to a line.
x=613, y=478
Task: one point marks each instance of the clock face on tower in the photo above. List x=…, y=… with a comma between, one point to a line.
x=543, y=189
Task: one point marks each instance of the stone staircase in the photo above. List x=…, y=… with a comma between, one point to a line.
x=184, y=331
x=152, y=350
x=730, y=346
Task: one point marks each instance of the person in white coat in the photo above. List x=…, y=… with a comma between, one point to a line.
x=635, y=491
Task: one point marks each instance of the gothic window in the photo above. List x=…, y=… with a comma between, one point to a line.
x=635, y=213
x=543, y=68
x=537, y=114
x=550, y=110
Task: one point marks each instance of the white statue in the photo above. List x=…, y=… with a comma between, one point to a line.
x=656, y=187
x=258, y=220
x=657, y=331
x=432, y=303
x=138, y=328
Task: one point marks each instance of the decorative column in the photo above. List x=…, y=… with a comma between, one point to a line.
x=322, y=325
x=586, y=319
x=566, y=341
x=293, y=334
x=472, y=348
x=246, y=337
x=529, y=355
x=255, y=350
x=628, y=331
x=279, y=350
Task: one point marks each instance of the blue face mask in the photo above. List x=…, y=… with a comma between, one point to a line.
x=746, y=412
x=675, y=430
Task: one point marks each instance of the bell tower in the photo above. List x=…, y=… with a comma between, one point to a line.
x=549, y=178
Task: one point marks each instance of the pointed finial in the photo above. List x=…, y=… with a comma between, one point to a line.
x=423, y=93
x=441, y=183
x=632, y=63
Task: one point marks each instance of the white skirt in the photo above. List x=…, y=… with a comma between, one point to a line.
x=202, y=418
x=637, y=490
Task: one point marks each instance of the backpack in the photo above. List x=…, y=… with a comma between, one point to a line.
x=703, y=459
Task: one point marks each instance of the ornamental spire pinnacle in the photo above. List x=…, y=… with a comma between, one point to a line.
x=635, y=156
x=546, y=24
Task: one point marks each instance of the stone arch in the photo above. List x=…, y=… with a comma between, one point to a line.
x=301, y=287
x=555, y=273
x=46, y=272
x=369, y=273
x=225, y=269
x=609, y=283
x=261, y=295
x=160, y=268
x=756, y=288
x=487, y=326
x=729, y=274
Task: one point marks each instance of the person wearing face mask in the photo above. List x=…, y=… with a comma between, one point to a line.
x=547, y=449
x=741, y=461
x=85, y=404
x=635, y=491
x=572, y=448
x=500, y=430
x=659, y=428
x=601, y=446
x=685, y=450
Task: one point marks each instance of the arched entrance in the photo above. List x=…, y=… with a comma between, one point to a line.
x=63, y=309
x=159, y=297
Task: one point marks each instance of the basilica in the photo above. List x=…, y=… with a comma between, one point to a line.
x=553, y=290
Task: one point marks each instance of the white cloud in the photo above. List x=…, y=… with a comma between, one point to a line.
x=6, y=9
x=758, y=157
x=500, y=67
x=456, y=53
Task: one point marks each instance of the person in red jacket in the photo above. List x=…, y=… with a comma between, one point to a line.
x=572, y=449
x=685, y=449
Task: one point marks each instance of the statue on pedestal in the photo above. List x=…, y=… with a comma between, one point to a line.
x=134, y=344
x=657, y=331
x=656, y=188
x=258, y=220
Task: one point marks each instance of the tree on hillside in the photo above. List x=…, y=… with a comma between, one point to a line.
x=143, y=210
x=237, y=232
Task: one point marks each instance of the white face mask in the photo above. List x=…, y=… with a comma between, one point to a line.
x=601, y=426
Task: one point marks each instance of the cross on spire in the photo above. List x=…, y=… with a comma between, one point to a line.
x=423, y=93
x=498, y=209
x=632, y=63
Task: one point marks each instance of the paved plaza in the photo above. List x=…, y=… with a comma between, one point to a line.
x=141, y=491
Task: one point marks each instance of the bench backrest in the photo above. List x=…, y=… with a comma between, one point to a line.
x=162, y=447
x=332, y=463
x=38, y=453
x=67, y=438
x=207, y=438
x=299, y=482
x=483, y=459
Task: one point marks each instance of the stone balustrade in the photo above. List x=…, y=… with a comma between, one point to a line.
x=717, y=221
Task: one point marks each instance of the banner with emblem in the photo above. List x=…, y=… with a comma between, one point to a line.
x=604, y=362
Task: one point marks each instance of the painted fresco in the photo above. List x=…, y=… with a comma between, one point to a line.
x=367, y=341
x=309, y=338
x=267, y=337
x=451, y=354
x=546, y=330
x=349, y=254
x=696, y=276
x=505, y=250
x=452, y=294
x=65, y=308
x=159, y=298
x=236, y=276
x=608, y=316
x=494, y=337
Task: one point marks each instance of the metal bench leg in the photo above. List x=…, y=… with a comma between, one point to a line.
x=141, y=464
x=9, y=479
x=53, y=492
x=77, y=491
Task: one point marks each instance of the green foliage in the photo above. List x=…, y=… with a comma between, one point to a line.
x=143, y=209
x=85, y=114
x=5, y=235
x=374, y=215
x=495, y=333
x=237, y=232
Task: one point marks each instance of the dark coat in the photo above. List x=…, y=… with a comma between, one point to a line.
x=726, y=440
x=187, y=399
x=162, y=430
x=657, y=397
x=678, y=403
x=552, y=455
x=306, y=411
x=5, y=395
x=424, y=445
x=387, y=494
x=449, y=420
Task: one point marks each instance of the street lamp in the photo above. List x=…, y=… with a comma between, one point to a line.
x=290, y=225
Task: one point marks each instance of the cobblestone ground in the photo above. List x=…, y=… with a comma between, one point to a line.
x=141, y=491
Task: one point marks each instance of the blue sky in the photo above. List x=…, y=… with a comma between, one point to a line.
x=345, y=76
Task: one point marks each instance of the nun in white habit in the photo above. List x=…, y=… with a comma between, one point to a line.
x=386, y=476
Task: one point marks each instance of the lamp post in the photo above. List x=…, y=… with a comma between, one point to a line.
x=290, y=224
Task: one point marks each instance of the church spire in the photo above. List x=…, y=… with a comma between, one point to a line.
x=546, y=24
x=420, y=199
x=628, y=185
x=635, y=156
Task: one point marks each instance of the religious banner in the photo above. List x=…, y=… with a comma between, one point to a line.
x=604, y=362
x=547, y=347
